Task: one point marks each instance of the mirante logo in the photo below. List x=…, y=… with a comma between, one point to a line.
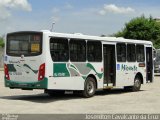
x=10, y=61
x=128, y=68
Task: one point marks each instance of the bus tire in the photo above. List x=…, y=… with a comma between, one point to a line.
x=89, y=87
x=137, y=84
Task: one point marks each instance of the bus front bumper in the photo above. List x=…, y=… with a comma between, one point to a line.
x=157, y=71
x=27, y=85
x=156, y=74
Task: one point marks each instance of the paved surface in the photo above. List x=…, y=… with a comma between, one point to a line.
x=116, y=101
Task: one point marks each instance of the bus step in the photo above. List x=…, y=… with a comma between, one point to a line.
x=108, y=85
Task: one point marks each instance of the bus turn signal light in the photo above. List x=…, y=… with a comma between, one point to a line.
x=41, y=72
x=6, y=72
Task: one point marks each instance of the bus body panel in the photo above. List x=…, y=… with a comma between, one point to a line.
x=24, y=73
x=126, y=73
x=24, y=69
x=72, y=76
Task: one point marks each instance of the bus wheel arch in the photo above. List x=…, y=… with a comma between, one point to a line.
x=90, y=86
x=140, y=76
x=92, y=76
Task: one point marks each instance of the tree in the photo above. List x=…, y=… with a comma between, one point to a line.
x=141, y=28
x=1, y=42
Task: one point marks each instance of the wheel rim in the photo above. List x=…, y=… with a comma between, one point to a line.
x=137, y=83
x=90, y=87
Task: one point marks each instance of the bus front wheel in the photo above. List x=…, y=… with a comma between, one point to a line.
x=89, y=87
x=137, y=84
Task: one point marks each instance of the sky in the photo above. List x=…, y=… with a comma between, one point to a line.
x=91, y=17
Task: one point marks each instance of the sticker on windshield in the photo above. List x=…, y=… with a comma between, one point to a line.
x=35, y=48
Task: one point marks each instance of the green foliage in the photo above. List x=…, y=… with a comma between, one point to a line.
x=142, y=28
x=118, y=34
x=156, y=43
x=1, y=42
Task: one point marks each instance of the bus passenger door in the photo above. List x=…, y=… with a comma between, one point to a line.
x=109, y=64
x=149, y=64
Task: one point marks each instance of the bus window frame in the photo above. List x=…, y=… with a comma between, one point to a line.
x=94, y=51
x=125, y=51
x=135, y=55
x=25, y=33
x=68, y=57
x=76, y=40
x=144, y=55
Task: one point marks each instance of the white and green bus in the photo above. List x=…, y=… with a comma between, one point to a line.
x=157, y=63
x=58, y=62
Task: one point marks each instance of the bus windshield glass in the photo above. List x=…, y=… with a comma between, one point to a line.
x=28, y=44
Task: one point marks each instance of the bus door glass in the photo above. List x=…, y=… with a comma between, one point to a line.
x=109, y=64
x=149, y=63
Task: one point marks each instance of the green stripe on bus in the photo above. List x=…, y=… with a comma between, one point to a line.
x=43, y=84
x=70, y=69
x=60, y=70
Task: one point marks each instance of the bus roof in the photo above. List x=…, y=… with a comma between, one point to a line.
x=89, y=37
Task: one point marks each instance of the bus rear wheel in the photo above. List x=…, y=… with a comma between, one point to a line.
x=89, y=88
x=137, y=84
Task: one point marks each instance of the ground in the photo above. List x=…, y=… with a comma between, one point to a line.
x=114, y=101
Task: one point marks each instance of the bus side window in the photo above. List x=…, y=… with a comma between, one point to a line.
x=94, y=51
x=77, y=50
x=59, y=49
x=140, y=53
x=131, y=52
x=121, y=52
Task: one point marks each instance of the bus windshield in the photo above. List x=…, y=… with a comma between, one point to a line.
x=28, y=44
